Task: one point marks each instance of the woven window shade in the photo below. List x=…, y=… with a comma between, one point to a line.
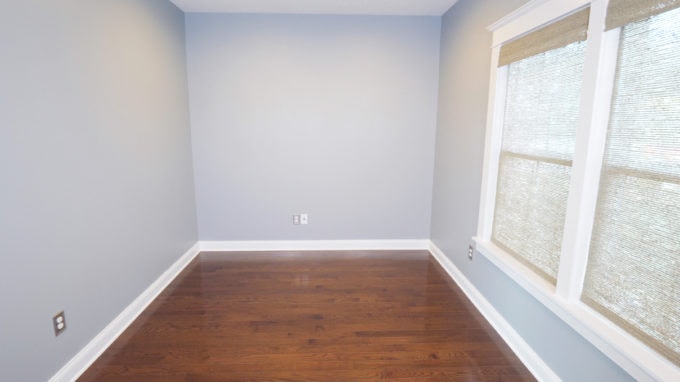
x=622, y=12
x=561, y=33
x=633, y=274
x=541, y=114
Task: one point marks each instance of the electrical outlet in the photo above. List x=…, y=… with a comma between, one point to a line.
x=59, y=323
x=304, y=219
x=296, y=219
x=471, y=252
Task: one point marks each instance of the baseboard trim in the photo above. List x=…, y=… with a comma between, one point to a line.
x=524, y=352
x=313, y=245
x=87, y=355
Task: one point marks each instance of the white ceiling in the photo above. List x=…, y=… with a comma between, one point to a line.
x=347, y=7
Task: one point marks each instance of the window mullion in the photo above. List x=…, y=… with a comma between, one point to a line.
x=600, y=70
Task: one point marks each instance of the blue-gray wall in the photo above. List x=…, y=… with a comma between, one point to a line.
x=97, y=194
x=329, y=115
x=463, y=96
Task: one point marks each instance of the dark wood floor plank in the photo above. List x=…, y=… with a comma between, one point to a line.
x=310, y=316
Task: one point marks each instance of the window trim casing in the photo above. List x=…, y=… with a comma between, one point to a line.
x=563, y=300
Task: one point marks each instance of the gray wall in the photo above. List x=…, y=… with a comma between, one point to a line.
x=329, y=115
x=95, y=160
x=463, y=95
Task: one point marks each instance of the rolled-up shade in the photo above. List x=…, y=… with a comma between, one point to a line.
x=561, y=33
x=622, y=12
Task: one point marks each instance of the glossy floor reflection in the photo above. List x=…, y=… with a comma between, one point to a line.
x=310, y=316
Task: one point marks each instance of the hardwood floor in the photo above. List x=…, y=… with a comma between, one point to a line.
x=310, y=316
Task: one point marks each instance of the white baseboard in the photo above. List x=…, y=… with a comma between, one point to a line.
x=81, y=361
x=86, y=356
x=524, y=352
x=314, y=245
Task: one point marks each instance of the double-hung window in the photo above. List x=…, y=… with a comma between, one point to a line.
x=544, y=76
x=581, y=192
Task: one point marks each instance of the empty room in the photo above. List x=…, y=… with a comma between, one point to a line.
x=340, y=190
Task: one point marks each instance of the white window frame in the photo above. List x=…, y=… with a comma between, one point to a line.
x=636, y=358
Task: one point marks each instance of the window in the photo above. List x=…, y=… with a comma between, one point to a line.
x=581, y=193
x=633, y=273
x=539, y=127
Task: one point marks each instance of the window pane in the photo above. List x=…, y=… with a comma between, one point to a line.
x=633, y=274
x=541, y=114
x=542, y=103
x=529, y=219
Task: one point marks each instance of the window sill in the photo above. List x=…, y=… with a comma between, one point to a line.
x=630, y=354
